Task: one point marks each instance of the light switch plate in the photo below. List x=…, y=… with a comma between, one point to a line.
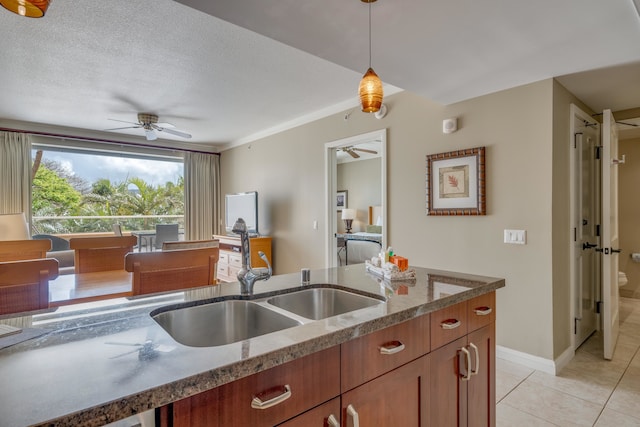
x=515, y=237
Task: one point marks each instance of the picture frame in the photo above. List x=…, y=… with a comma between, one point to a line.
x=456, y=182
x=341, y=200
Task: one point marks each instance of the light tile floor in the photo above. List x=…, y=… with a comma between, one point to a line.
x=590, y=391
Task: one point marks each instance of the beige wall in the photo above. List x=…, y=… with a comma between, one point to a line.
x=362, y=180
x=515, y=126
x=629, y=205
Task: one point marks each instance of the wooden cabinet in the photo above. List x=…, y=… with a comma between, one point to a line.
x=230, y=259
x=462, y=383
x=385, y=376
x=397, y=398
x=266, y=398
x=434, y=370
x=325, y=415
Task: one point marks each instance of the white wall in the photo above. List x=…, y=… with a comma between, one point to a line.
x=362, y=181
x=515, y=126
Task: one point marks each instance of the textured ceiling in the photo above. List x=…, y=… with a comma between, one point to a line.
x=234, y=70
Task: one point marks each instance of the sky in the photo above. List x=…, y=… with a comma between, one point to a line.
x=117, y=169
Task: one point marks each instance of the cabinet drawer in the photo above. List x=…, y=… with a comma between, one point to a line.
x=222, y=269
x=223, y=258
x=317, y=417
x=448, y=324
x=309, y=382
x=372, y=355
x=233, y=272
x=235, y=261
x=481, y=311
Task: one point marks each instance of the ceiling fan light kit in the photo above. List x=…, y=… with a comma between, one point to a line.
x=370, y=89
x=28, y=8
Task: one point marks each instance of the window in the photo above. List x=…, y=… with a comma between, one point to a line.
x=86, y=187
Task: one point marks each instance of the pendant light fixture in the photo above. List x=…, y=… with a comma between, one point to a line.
x=370, y=86
x=29, y=8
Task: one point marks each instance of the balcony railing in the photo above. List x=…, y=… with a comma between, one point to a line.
x=70, y=225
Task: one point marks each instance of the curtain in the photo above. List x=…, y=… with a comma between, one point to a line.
x=15, y=173
x=201, y=195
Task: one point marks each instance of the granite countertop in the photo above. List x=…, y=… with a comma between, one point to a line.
x=88, y=370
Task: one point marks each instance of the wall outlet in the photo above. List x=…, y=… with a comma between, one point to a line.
x=515, y=237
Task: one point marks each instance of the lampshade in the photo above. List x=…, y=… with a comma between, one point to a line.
x=370, y=89
x=371, y=92
x=348, y=214
x=13, y=227
x=29, y=8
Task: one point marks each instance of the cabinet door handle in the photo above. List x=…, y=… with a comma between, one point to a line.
x=392, y=347
x=450, y=323
x=353, y=414
x=483, y=311
x=258, y=403
x=467, y=374
x=475, y=349
x=332, y=422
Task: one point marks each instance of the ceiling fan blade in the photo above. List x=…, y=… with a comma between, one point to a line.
x=364, y=150
x=126, y=127
x=352, y=154
x=150, y=134
x=165, y=125
x=124, y=121
x=172, y=131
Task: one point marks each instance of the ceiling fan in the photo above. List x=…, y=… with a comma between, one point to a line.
x=351, y=150
x=149, y=122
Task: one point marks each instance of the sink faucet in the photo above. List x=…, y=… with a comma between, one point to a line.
x=248, y=276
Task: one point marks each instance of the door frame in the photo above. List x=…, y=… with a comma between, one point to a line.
x=331, y=187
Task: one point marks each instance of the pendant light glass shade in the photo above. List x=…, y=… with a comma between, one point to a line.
x=29, y=8
x=370, y=89
x=371, y=92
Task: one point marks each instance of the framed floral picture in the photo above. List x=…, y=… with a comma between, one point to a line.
x=456, y=182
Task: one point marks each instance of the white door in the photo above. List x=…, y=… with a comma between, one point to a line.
x=610, y=241
x=587, y=262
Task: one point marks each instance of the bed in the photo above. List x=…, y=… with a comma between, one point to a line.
x=355, y=248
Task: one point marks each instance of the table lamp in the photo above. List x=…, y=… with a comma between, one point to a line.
x=14, y=227
x=348, y=215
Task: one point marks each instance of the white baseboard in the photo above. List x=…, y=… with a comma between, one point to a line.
x=535, y=362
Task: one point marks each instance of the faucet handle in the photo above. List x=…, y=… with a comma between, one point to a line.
x=266, y=260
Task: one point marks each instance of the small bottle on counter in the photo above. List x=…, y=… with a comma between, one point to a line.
x=305, y=276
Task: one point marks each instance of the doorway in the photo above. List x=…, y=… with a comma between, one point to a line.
x=343, y=147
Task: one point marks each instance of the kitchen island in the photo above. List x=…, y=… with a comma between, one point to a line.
x=101, y=362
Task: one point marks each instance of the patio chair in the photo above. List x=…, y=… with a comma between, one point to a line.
x=101, y=253
x=171, y=270
x=24, y=285
x=166, y=233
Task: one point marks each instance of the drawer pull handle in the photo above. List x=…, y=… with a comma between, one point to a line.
x=483, y=311
x=353, y=414
x=332, y=422
x=475, y=349
x=450, y=324
x=285, y=393
x=392, y=347
x=467, y=357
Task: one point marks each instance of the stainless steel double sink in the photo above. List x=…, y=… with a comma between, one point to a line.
x=230, y=321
